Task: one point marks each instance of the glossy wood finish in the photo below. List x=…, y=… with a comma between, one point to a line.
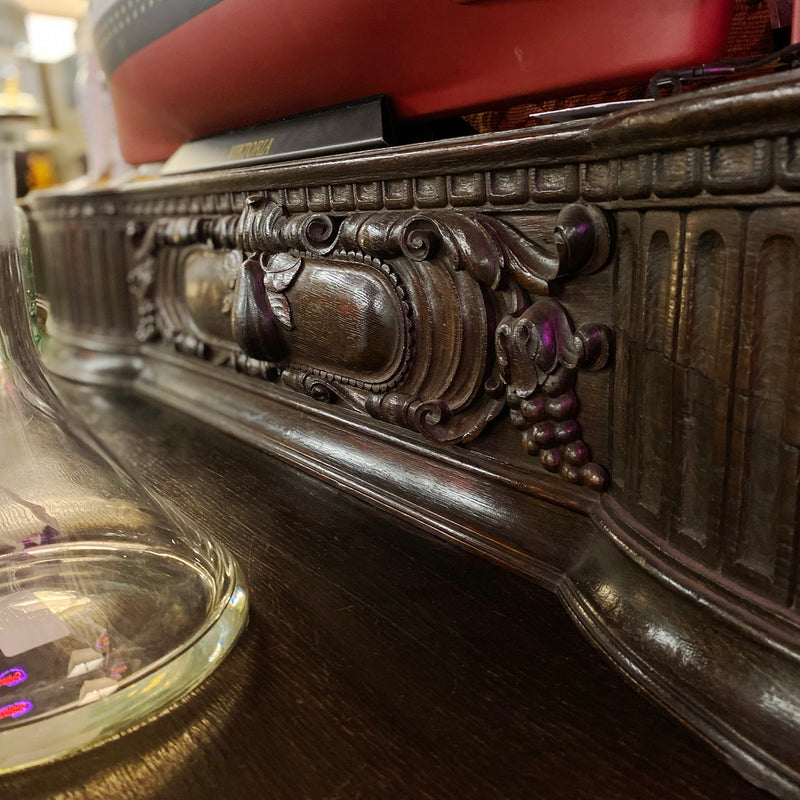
x=572, y=350
x=378, y=662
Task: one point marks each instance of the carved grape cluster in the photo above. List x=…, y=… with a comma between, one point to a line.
x=539, y=355
x=551, y=430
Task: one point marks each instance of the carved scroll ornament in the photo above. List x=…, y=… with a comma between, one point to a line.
x=390, y=313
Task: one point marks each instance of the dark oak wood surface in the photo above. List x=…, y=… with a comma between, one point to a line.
x=378, y=663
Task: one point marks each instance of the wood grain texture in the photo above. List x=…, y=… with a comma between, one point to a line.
x=393, y=302
x=377, y=662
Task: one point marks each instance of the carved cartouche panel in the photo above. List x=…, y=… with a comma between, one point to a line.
x=393, y=314
x=344, y=317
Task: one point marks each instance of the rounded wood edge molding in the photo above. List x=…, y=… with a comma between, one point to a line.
x=676, y=638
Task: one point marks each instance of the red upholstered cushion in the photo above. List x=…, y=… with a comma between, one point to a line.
x=239, y=62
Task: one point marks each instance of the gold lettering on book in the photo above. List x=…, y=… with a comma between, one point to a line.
x=254, y=149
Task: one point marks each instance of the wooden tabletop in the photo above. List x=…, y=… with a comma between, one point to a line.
x=378, y=662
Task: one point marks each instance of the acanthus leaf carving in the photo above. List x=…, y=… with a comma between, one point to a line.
x=491, y=250
x=281, y=310
x=142, y=285
x=320, y=388
x=280, y=270
x=142, y=282
x=481, y=267
x=539, y=354
x=428, y=417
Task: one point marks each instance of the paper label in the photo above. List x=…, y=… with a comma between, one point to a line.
x=26, y=622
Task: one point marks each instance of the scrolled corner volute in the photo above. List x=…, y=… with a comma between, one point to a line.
x=539, y=354
x=491, y=250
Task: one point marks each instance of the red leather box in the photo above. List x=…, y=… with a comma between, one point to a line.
x=190, y=68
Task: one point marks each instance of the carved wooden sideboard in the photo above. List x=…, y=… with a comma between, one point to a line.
x=573, y=349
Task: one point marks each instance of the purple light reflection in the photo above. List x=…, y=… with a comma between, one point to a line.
x=12, y=677
x=16, y=709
